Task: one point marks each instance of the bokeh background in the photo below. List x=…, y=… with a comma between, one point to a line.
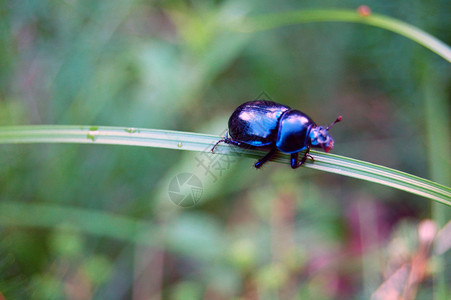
x=96, y=221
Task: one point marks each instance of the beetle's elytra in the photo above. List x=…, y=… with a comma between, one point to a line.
x=269, y=125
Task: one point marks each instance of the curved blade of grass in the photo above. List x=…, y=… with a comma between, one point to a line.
x=275, y=20
x=203, y=142
x=44, y=215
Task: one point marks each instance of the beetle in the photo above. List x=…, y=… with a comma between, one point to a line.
x=263, y=124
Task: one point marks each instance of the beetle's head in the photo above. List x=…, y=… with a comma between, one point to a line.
x=320, y=137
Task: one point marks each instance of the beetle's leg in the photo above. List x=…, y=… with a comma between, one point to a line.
x=268, y=156
x=226, y=140
x=307, y=154
x=295, y=163
x=295, y=160
x=218, y=142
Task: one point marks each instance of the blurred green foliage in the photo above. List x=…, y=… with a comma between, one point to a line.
x=269, y=233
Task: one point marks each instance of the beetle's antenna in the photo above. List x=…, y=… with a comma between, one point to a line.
x=336, y=121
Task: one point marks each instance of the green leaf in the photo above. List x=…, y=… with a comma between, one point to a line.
x=203, y=143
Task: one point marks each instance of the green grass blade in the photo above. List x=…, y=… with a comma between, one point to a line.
x=271, y=21
x=203, y=143
x=95, y=222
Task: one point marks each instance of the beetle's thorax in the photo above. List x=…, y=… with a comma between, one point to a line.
x=293, y=131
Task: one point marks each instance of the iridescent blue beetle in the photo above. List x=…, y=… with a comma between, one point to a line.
x=262, y=124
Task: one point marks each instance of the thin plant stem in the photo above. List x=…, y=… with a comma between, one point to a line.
x=202, y=142
x=271, y=21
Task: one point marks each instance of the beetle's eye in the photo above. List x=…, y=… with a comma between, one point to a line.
x=322, y=136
